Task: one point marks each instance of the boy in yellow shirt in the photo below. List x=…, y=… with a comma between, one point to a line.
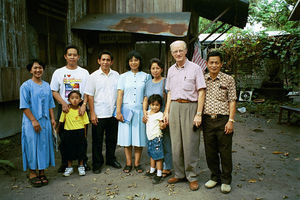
x=74, y=139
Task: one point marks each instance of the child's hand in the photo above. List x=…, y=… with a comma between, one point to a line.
x=145, y=117
x=162, y=125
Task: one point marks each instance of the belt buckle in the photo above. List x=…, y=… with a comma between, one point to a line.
x=213, y=116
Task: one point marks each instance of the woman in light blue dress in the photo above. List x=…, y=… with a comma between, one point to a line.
x=131, y=87
x=37, y=105
x=157, y=86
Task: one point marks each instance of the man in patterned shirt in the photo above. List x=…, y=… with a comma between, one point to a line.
x=218, y=119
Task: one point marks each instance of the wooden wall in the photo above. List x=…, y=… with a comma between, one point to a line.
x=13, y=47
x=134, y=6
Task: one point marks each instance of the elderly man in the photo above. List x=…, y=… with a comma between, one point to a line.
x=218, y=118
x=186, y=92
x=101, y=88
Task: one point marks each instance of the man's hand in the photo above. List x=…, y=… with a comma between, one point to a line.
x=119, y=117
x=166, y=118
x=82, y=109
x=228, y=127
x=36, y=126
x=65, y=107
x=94, y=118
x=197, y=120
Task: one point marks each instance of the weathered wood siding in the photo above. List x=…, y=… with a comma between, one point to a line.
x=134, y=6
x=13, y=47
x=76, y=10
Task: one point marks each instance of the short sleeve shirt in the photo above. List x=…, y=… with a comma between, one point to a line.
x=72, y=119
x=37, y=98
x=184, y=82
x=219, y=93
x=104, y=90
x=133, y=85
x=65, y=80
x=152, y=127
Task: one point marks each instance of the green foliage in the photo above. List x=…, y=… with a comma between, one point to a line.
x=4, y=163
x=273, y=15
x=246, y=48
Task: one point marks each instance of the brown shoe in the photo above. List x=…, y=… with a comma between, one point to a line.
x=194, y=185
x=175, y=180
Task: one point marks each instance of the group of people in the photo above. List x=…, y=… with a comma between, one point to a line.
x=134, y=110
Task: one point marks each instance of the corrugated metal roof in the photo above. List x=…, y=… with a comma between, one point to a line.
x=166, y=24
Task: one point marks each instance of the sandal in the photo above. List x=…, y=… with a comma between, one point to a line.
x=35, y=181
x=138, y=169
x=127, y=168
x=44, y=179
x=166, y=174
x=150, y=174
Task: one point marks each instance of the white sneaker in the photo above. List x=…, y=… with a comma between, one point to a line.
x=225, y=188
x=210, y=184
x=68, y=171
x=81, y=170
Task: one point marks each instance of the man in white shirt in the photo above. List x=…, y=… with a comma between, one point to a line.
x=101, y=89
x=64, y=80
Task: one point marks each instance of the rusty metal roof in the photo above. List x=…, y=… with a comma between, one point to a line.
x=166, y=24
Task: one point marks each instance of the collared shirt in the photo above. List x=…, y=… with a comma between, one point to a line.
x=103, y=87
x=219, y=93
x=184, y=82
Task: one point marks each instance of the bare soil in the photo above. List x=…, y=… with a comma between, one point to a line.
x=266, y=160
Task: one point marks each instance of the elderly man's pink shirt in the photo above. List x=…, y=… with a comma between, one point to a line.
x=184, y=82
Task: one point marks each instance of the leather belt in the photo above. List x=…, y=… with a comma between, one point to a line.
x=184, y=101
x=214, y=116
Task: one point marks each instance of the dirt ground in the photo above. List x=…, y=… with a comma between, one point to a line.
x=266, y=160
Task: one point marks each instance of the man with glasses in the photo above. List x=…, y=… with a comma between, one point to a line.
x=185, y=100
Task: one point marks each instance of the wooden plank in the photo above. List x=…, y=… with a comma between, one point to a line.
x=138, y=6
x=179, y=5
x=121, y=6
x=157, y=6
x=130, y=6
x=148, y=6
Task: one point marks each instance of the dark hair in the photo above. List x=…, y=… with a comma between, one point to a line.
x=215, y=53
x=138, y=56
x=155, y=97
x=29, y=65
x=71, y=46
x=157, y=61
x=107, y=53
x=72, y=92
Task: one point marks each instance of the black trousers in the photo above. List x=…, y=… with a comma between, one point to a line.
x=61, y=146
x=218, y=147
x=110, y=127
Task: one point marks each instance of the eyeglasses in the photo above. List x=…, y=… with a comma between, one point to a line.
x=178, y=51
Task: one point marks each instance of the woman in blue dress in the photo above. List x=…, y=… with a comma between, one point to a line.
x=37, y=105
x=131, y=86
x=157, y=86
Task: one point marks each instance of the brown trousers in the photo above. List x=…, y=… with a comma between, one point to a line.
x=185, y=141
x=218, y=146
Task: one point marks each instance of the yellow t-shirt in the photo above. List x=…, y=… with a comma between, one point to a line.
x=73, y=121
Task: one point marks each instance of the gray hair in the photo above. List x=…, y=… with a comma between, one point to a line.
x=178, y=42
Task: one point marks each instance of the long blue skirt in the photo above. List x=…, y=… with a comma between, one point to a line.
x=37, y=148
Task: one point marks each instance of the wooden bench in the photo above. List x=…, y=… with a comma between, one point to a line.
x=290, y=110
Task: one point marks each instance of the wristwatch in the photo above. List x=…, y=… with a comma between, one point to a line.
x=231, y=120
x=199, y=114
